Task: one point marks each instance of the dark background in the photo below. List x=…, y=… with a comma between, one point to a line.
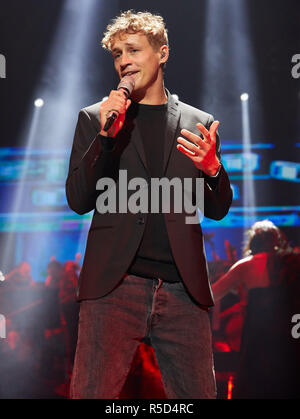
x=27, y=29
x=218, y=50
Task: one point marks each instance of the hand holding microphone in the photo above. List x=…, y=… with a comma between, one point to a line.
x=112, y=110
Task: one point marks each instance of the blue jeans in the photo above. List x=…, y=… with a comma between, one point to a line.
x=112, y=327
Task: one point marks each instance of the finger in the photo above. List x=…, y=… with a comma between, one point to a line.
x=204, y=132
x=191, y=136
x=116, y=93
x=188, y=145
x=119, y=105
x=195, y=159
x=128, y=103
x=115, y=98
x=185, y=151
x=213, y=130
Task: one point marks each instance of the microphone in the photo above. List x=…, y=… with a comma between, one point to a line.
x=127, y=85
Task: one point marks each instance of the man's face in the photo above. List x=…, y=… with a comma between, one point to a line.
x=134, y=55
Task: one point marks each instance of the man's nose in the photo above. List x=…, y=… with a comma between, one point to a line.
x=125, y=61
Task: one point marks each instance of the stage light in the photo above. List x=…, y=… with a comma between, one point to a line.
x=63, y=86
x=241, y=162
x=249, y=201
x=38, y=103
x=285, y=170
x=227, y=58
x=244, y=97
x=228, y=63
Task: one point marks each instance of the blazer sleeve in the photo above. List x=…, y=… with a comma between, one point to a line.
x=85, y=164
x=217, y=191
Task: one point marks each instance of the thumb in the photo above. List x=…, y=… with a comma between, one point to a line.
x=128, y=103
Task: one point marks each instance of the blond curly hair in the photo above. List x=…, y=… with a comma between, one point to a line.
x=152, y=26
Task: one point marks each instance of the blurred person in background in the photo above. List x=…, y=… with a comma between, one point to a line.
x=267, y=280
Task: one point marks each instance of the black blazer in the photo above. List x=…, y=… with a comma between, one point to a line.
x=113, y=239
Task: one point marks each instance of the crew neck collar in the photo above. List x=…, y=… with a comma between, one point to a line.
x=146, y=106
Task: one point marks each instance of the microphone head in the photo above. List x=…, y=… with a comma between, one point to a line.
x=127, y=83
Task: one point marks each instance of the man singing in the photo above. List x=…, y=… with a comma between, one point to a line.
x=144, y=275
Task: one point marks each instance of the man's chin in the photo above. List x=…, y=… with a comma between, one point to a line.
x=138, y=94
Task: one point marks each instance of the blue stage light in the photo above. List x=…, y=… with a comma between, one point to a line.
x=238, y=162
x=285, y=170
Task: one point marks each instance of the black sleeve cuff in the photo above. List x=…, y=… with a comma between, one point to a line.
x=213, y=181
x=108, y=143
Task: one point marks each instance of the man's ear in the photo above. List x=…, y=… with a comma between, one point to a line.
x=164, y=54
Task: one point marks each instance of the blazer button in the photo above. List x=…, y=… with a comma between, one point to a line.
x=141, y=220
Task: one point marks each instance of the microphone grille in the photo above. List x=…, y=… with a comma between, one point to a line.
x=127, y=83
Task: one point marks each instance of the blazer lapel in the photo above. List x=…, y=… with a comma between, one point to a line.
x=173, y=117
x=139, y=146
x=135, y=134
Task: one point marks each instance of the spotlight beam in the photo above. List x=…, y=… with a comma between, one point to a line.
x=248, y=181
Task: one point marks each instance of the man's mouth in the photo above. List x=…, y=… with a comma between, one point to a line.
x=129, y=73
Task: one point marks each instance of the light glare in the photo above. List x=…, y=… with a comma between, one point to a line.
x=39, y=103
x=244, y=97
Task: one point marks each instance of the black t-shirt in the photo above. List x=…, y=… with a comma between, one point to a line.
x=154, y=257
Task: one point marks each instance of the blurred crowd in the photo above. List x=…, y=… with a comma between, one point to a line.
x=41, y=320
x=256, y=355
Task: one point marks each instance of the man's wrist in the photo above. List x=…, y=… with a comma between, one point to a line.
x=214, y=172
